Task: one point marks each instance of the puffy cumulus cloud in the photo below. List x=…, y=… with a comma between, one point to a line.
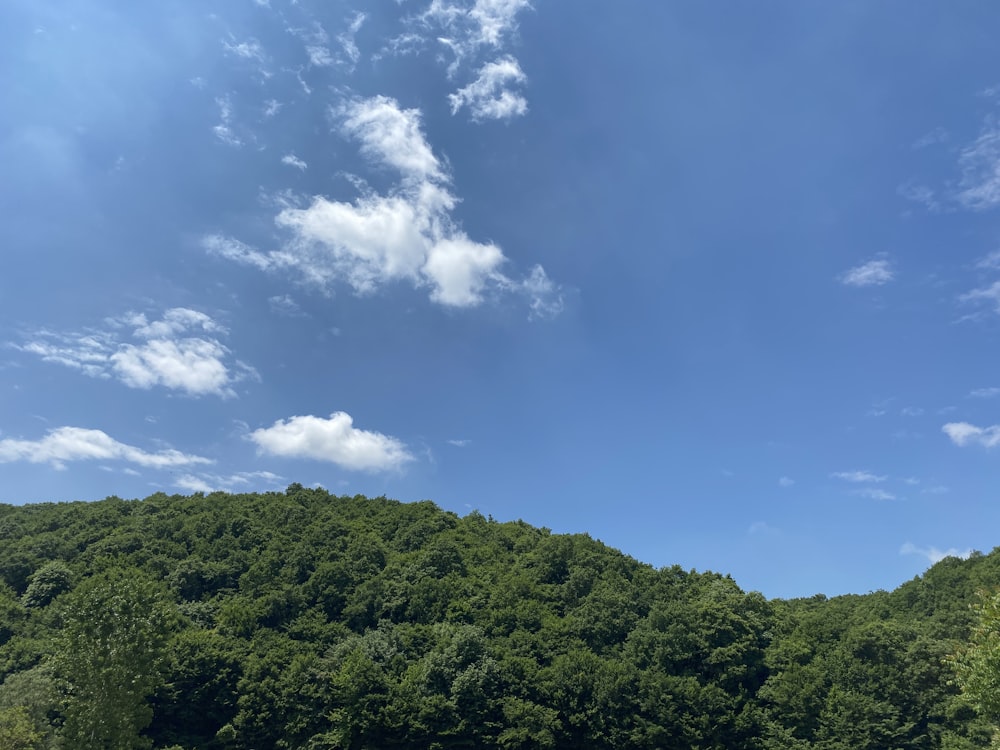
x=336, y=440
x=459, y=269
x=872, y=273
x=66, y=444
x=490, y=96
x=234, y=482
x=933, y=554
x=178, y=352
x=858, y=476
x=405, y=235
x=963, y=433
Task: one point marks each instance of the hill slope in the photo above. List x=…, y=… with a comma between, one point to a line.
x=306, y=620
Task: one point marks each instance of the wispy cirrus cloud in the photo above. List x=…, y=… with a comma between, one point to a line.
x=473, y=32
x=224, y=130
x=467, y=27
x=874, y=493
x=407, y=234
x=963, y=434
x=249, y=49
x=979, y=162
x=989, y=295
x=873, y=273
x=335, y=439
x=991, y=392
x=240, y=481
x=180, y=351
x=859, y=476
x=933, y=554
x=66, y=444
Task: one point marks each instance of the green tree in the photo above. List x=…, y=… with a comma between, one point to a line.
x=17, y=730
x=977, y=665
x=115, y=629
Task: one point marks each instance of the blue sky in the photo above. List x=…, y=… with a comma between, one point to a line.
x=718, y=283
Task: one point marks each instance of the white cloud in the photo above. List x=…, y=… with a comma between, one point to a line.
x=466, y=28
x=989, y=294
x=544, y=296
x=911, y=411
x=873, y=493
x=233, y=249
x=319, y=56
x=979, y=188
x=248, y=50
x=918, y=193
x=858, y=476
x=272, y=107
x=285, y=305
x=872, y=273
x=938, y=489
x=224, y=130
x=459, y=443
x=78, y=444
x=335, y=440
x=483, y=23
x=316, y=42
x=963, y=433
x=293, y=161
x=459, y=269
x=990, y=262
x=935, y=136
x=992, y=392
x=786, y=482
x=933, y=554
x=346, y=39
x=405, y=235
x=173, y=352
x=391, y=135
x=490, y=96
x=233, y=483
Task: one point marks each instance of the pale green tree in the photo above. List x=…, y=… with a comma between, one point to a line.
x=115, y=629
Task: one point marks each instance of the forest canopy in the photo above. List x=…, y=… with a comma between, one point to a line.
x=307, y=620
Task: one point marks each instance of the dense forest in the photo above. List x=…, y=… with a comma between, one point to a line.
x=307, y=620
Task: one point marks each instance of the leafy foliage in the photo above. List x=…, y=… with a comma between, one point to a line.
x=305, y=620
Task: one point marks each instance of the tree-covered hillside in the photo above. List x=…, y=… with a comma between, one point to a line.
x=307, y=620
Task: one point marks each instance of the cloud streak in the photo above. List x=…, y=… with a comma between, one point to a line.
x=979, y=162
x=872, y=273
x=66, y=444
x=859, y=476
x=933, y=554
